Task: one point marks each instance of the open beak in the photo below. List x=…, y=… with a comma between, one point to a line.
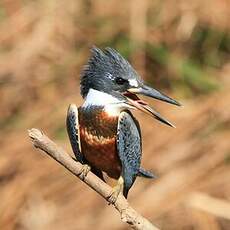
x=133, y=100
x=150, y=92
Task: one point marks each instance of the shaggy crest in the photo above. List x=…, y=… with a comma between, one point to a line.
x=102, y=66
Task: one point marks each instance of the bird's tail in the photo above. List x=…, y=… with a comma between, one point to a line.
x=125, y=192
x=145, y=173
x=142, y=173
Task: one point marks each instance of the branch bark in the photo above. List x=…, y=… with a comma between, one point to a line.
x=127, y=213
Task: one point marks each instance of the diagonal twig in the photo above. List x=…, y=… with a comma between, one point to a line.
x=127, y=213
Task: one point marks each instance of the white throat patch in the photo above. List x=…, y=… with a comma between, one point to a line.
x=112, y=105
x=95, y=97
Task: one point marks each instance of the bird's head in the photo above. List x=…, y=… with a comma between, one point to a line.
x=107, y=71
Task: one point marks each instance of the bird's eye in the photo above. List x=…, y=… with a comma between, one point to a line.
x=120, y=81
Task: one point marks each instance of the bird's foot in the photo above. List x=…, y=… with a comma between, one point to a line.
x=85, y=170
x=116, y=190
x=114, y=195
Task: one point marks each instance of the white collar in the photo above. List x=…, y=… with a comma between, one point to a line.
x=95, y=97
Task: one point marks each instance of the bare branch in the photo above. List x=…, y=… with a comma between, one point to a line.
x=128, y=214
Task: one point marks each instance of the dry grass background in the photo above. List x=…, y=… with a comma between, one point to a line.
x=180, y=46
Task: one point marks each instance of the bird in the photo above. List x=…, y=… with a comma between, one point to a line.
x=104, y=134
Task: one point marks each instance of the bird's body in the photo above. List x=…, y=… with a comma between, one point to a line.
x=98, y=132
x=103, y=132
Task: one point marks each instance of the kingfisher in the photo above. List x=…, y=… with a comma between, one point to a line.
x=104, y=134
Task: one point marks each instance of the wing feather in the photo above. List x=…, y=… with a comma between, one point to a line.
x=129, y=148
x=72, y=125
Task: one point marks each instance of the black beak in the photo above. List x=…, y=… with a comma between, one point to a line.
x=150, y=92
x=143, y=106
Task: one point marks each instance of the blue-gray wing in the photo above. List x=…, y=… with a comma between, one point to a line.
x=129, y=148
x=72, y=126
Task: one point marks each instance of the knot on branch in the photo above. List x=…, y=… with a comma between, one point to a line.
x=35, y=134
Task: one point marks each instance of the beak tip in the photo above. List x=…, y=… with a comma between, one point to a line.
x=176, y=103
x=179, y=104
x=171, y=125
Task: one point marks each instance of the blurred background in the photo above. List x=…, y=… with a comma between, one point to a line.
x=180, y=47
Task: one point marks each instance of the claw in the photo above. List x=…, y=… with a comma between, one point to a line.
x=85, y=170
x=113, y=196
x=116, y=191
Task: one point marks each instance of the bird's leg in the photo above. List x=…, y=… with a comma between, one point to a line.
x=116, y=191
x=84, y=171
